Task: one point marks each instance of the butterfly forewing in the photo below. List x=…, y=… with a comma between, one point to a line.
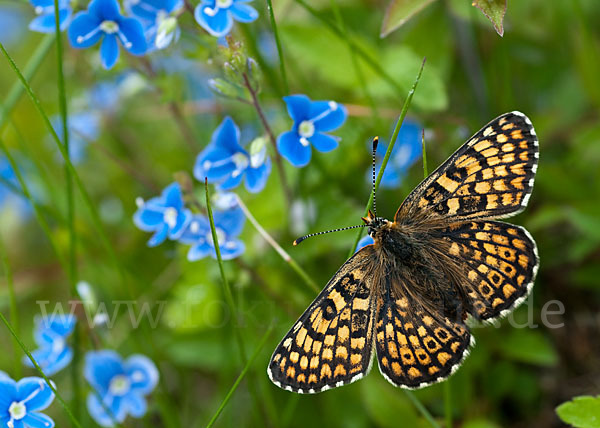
x=331, y=344
x=500, y=261
x=490, y=176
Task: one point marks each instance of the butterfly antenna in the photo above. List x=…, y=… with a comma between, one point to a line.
x=302, y=238
x=375, y=143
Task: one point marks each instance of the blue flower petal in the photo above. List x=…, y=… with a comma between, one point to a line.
x=142, y=372
x=49, y=359
x=194, y=230
x=134, y=33
x=323, y=142
x=149, y=217
x=333, y=119
x=214, y=156
x=231, y=221
x=243, y=13
x=365, y=240
x=136, y=405
x=83, y=24
x=40, y=392
x=298, y=106
x=8, y=392
x=232, y=249
x=183, y=218
x=227, y=135
x=109, y=51
x=45, y=23
x=105, y=9
x=159, y=237
x=256, y=178
x=97, y=412
x=199, y=251
x=218, y=25
x=232, y=182
x=291, y=149
x=101, y=367
x=37, y=420
x=173, y=196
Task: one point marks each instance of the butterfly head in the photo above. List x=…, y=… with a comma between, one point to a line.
x=374, y=223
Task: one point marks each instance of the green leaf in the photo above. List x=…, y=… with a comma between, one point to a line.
x=529, y=346
x=400, y=11
x=494, y=10
x=582, y=412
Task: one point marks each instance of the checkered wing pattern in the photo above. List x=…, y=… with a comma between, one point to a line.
x=416, y=348
x=490, y=176
x=332, y=342
x=501, y=262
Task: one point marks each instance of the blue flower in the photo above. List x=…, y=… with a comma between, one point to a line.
x=165, y=215
x=103, y=20
x=21, y=403
x=364, y=241
x=51, y=335
x=45, y=22
x=84, y=127
x=407, y=150
x=217, y=16
x=311, y=120
x=228, y=225
x=120, y=386
x=159, y=20
x=108, y=96
x=226, y=162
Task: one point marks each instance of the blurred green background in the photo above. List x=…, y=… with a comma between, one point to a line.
x=546, y=65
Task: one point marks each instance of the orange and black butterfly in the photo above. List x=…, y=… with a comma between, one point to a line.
x=445, y=257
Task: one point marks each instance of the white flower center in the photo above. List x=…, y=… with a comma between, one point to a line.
x=109, y=27
x=221, y=237
x=137, y=376
x=119, y=385
x=241, y=163
x=306, y=129
x=224, y=4
x=170, y=217
x=58, y=345
x=17, y=410
x=194, y=227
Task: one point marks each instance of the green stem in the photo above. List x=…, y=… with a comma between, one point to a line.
x=284, y=255
x=235, y=385
x=17, y=89
x=14, y=313
x=286, y=86
x=421, y=408
x=237, y=325
x=388, y=153
x=448, y=403
x=72, y=260
x=40, y=371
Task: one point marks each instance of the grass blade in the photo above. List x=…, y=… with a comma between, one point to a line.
x=286, y=86
x=388, y=153
x=235, y=385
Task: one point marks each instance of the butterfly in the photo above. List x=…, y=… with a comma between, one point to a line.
x=444, y=258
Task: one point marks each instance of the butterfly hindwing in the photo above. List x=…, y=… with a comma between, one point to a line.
x=414, y=347
x=331, y=344
x=490, y=176
x=500, y=260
